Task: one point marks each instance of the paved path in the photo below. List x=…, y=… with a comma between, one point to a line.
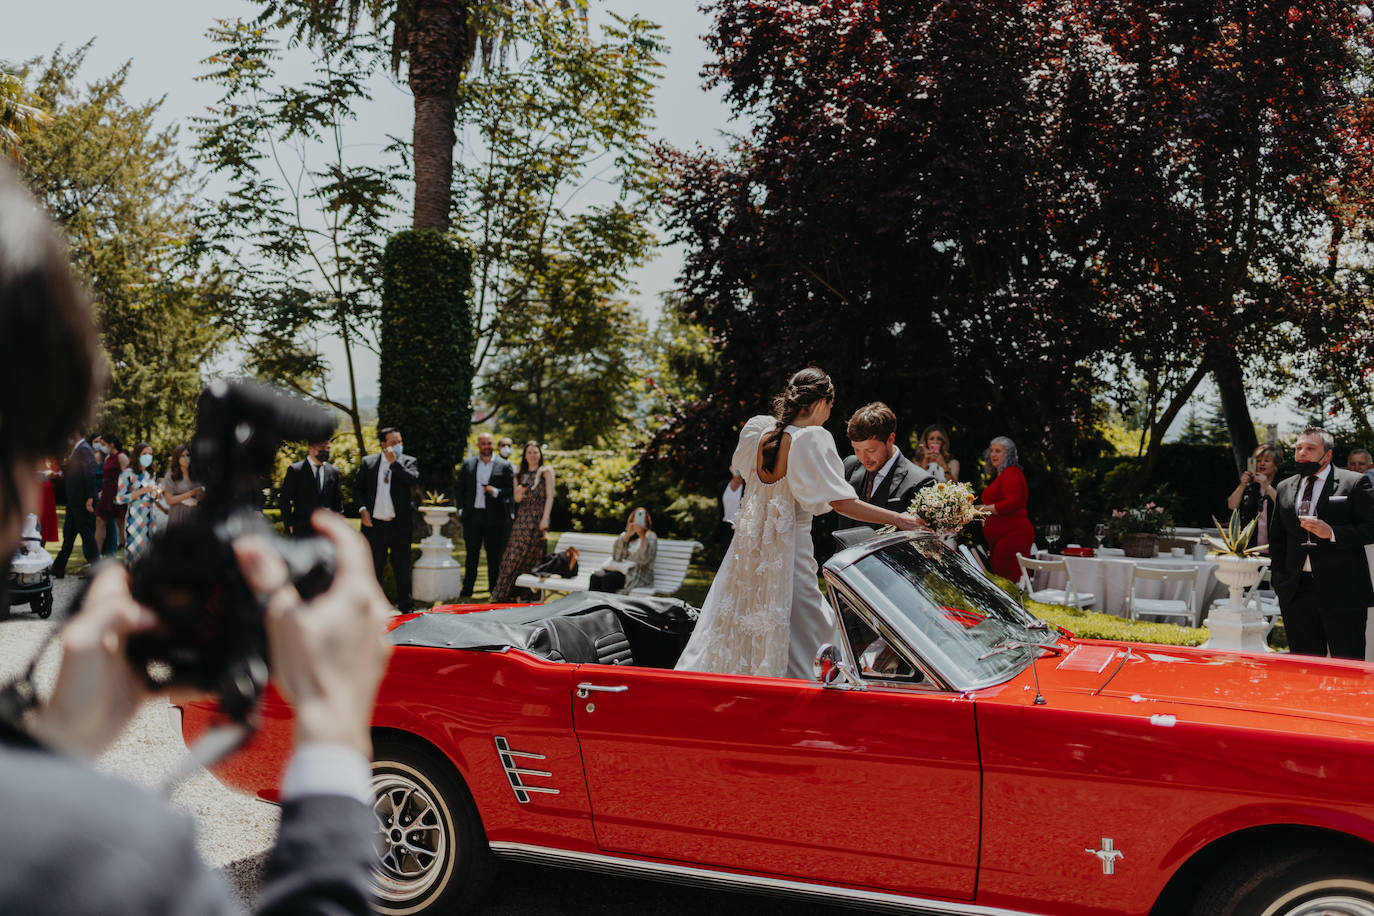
x=234, y=831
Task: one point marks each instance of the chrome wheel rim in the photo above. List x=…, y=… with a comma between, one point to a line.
x=412, y=843
x=1333, y=905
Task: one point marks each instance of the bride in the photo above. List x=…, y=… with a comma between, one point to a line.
x=765, y=614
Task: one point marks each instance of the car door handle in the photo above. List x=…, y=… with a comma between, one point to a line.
x=584, y=689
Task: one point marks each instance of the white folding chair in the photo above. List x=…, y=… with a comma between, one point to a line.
x=1069, y=595
x=1162, y=607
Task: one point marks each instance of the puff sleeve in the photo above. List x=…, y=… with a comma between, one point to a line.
x=745, y=459
x=816, y=471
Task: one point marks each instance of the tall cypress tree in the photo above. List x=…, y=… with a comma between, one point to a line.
x=426, y=349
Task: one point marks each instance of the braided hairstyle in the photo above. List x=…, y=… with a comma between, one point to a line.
x=803, y=390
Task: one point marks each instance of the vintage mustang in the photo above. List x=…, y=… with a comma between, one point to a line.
x=954, y=756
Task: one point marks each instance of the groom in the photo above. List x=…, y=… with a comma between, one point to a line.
x=877, y=471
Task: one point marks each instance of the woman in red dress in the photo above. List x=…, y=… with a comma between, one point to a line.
x=1008, y=529
x=47, y=508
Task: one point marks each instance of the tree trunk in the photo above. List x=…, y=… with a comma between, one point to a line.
x=1158, y=427
x=1230, y=381
x=435, y=48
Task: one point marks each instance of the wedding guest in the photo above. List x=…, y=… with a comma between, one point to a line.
x=878, y=471
x=1008, y=529
x=109, y=515
x=178, y=489
x=81, y=478
x=934, y=454
x=485, y=486
x=48, y=472
x=534, y=486
x=309, y=484
x=632, y=557
x=731, y=497
x=137, y=492
x=386, y=507
x=1358, y=461
x=1323, y=518
x=1255, y=494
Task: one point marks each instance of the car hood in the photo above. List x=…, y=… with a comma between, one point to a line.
x=1301, y=686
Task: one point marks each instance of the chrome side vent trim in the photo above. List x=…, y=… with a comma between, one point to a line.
x=517, y=774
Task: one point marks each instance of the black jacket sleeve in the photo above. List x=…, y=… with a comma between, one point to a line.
x=286, y=497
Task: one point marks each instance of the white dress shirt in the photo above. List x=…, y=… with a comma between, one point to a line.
x=484, y=469
x=383, y=509
x=882, y=472
x=1317, y=488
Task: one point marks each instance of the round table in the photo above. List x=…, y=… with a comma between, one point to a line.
x=1108, y=577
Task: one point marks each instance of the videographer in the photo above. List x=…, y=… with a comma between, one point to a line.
x=80, y=842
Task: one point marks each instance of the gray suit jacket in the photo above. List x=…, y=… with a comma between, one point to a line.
x=93, y=844
x=896, y=490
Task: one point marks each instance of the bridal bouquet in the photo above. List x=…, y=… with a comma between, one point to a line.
x=946, y=507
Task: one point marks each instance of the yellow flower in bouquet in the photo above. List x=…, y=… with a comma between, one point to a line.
x=946, y=507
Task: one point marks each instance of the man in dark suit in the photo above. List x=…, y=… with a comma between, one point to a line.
x=384, y=488
x=1323, y=518
x=311, y=483
x=93, y=844
x=82, y=479
x=877, y=470
x=485, y=486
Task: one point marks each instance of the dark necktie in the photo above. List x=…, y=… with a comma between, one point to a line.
x=868, y=486
x=1305, y=507
x=319, y=478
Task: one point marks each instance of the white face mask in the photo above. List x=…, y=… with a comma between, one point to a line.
x=397, y=449
x=505, y=451
x=145, y=460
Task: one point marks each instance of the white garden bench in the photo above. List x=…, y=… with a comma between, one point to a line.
x=670, y=564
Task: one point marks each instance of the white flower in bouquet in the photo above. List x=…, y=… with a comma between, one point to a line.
x=945, y=507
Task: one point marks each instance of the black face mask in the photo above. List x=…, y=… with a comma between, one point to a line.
x=1308, y=468
x=322, y=456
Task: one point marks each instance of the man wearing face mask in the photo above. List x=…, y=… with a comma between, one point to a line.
x=485, y=485
x=311, y=483
x=384, y=489
x=1323, y=518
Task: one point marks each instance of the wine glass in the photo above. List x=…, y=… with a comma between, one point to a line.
x=1052, y=534
x=1100, y=532
x=1305, y=512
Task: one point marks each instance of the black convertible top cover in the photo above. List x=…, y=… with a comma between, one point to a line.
x=516, y=627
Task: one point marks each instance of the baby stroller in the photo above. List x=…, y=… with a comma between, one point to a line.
x=30, y=580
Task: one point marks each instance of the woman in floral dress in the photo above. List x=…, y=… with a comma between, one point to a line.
x=138, y=491
x=529, y=534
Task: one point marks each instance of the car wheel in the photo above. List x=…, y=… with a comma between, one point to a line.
x=42, y=605
x=1321, y=881
x=431, y=852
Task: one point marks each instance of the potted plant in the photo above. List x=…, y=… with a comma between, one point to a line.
x=1238, y=565
x=1237, y=625
x=1137, y=530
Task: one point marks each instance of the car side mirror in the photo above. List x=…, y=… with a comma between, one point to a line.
x=832, y=672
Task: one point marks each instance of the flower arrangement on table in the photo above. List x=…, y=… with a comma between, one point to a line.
x=945, y=507
x=1151, y=518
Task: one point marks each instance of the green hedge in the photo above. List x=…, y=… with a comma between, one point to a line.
x=596, y=492
x=426, y=349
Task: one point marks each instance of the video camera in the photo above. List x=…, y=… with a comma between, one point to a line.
x=212, y=634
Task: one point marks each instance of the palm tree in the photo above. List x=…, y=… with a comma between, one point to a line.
x=437, y=40
x=17, y=119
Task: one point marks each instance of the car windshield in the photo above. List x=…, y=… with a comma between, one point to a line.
x=970, y=630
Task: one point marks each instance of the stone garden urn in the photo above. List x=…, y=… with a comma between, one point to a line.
x=436, y=576
x=1236, y=625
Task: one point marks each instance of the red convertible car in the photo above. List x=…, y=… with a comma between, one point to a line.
x=954, y=756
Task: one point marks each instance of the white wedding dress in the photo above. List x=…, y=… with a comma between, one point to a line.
x=765, y=614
